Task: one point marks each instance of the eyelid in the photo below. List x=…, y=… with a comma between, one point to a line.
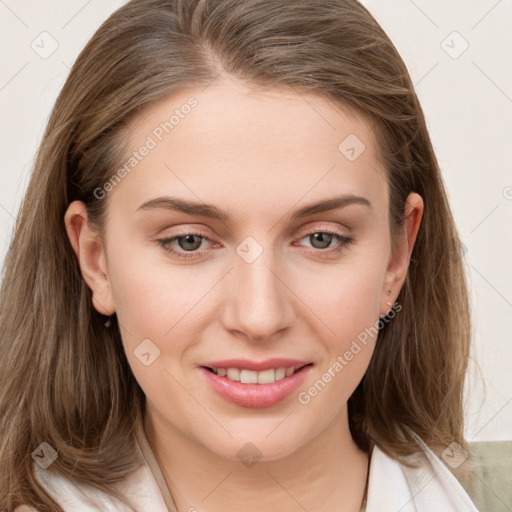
x=328, y=228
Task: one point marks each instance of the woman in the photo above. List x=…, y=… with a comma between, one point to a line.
x=235, y=281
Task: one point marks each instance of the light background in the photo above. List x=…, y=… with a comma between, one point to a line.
x=467, y=99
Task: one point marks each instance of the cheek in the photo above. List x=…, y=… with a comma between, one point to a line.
x=154, y=307
x=346, y=359
x=346, y=314
x=152, y=300
x=345, y=299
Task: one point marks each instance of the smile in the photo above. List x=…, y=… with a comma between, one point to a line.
x=253, y=377
x=255, y=388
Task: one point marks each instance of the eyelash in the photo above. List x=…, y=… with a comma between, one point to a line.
x=344, y=240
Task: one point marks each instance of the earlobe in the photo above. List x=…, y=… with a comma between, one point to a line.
x=400, y=258
x=89, y=250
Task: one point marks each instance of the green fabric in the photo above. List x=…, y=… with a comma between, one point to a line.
x=490, y=486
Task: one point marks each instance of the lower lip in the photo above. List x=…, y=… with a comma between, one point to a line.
x=256, y=395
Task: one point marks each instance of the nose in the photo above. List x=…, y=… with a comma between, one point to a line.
x=260, y=303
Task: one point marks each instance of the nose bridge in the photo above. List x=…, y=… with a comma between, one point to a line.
x=261, y=304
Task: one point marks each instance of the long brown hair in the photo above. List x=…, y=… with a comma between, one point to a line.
x=64, y=377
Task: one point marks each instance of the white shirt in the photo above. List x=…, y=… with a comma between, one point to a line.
x=392, y=487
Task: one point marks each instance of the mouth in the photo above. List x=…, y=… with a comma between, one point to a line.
x=246, y=376
x=275, y=381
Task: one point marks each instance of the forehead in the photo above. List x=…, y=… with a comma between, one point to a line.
x=232, y=143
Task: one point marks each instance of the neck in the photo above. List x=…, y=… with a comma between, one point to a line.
x=199, y=479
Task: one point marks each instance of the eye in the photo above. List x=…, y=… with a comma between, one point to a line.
x=187, y=242
x=321, y=240
x=187, y=245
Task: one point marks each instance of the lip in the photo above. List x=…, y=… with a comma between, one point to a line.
x=256, y=366
x=255, y=395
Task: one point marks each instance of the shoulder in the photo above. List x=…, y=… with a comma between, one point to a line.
x=72, y=495
x=427, y=487
x=139, y=488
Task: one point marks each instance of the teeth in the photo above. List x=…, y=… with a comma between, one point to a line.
x=248, y=377
x=280, y=373
x=252, y=377
x=266, y=377
x=233, y=374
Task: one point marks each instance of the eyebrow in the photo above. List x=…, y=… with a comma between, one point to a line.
x=213, y=212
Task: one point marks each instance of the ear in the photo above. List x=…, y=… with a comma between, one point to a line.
x=398, y=264
x=89, y=250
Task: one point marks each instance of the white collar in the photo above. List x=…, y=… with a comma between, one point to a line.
x=431, y=487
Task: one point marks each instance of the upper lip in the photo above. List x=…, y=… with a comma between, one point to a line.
x=257, y=366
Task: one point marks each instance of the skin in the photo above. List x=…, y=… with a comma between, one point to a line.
x=259, y=155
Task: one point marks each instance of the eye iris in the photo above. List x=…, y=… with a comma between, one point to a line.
x=189, y=244
x=322, y=238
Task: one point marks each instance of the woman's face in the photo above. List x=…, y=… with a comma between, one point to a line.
x=249, y=279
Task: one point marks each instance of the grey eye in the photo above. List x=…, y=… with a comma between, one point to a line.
x=192, y=242
x=321, y=240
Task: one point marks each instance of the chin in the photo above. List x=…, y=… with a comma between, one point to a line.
x=256, y=446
